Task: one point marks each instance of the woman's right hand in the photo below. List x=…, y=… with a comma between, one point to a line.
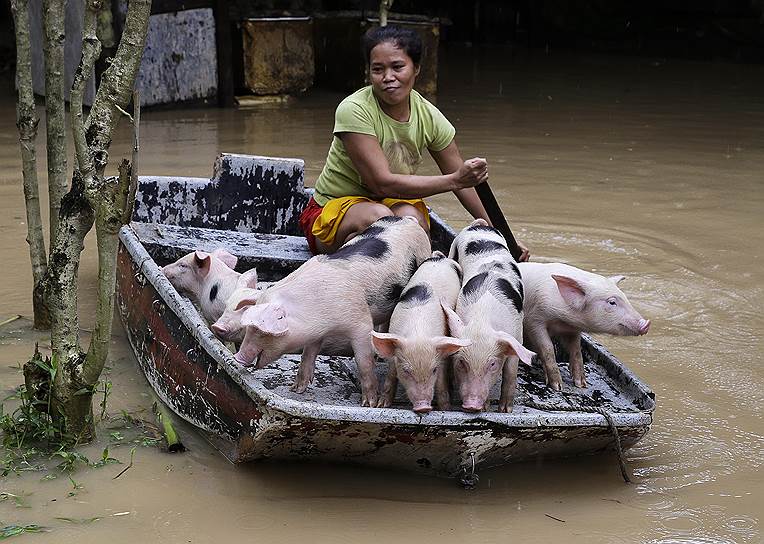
x=472, y=172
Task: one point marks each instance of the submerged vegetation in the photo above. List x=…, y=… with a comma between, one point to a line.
x=35, y=441
x=35, y=438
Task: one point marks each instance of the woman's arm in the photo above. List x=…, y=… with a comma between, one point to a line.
x=370, y=162
x=448, y=159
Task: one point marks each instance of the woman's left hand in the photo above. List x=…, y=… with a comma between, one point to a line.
x=525, y=256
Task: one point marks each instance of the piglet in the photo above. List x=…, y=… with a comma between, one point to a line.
x=333, y=299
x=416, y=343
x=563, y=301
x=489, y=313
x=208, y=279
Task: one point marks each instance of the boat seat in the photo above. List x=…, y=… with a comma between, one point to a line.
x=274, y=255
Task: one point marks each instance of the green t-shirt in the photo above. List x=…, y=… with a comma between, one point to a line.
x=402, y=143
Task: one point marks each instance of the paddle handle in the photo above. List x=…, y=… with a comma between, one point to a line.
x=497, y=218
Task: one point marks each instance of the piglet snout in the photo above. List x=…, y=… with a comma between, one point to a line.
x=644, y=326
x=472, y=405
x=220, y=331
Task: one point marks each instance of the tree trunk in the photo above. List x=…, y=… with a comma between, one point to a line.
x=26, y=121
x=116, y=86
x=55, y=107
x=108, y=223
x=92, y=198
x=76, y=220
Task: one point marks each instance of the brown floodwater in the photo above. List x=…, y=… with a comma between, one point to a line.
x=650, y=168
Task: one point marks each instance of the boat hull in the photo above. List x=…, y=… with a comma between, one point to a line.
x=252, y=414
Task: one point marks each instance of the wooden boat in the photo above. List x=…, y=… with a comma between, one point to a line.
x=251, y=206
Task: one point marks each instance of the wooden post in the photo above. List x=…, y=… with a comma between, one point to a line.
x=224, y=54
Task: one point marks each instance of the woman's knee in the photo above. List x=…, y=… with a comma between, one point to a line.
x=404, y=208
x=360, y=216
x=377, y=211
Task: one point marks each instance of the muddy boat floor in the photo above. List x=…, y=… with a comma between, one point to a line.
x=336, y=383
x=335, y=377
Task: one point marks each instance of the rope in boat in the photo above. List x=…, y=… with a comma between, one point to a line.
x=469, y=480
x=592, y=410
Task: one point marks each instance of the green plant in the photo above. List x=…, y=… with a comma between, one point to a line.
x=32, y=424
x=13, y=530
x=106, y=391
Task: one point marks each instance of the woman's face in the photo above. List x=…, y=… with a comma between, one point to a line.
x=392, y=73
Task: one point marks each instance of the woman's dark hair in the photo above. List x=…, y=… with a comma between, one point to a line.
x=403, y=38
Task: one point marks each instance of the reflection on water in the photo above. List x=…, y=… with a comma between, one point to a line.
x=650, y=169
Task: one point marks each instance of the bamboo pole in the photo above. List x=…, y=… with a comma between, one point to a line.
x=164, y=418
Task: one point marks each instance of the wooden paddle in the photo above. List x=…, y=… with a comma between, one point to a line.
x=497, y=218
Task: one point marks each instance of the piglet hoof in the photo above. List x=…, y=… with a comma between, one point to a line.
x=299, y=387
x=384, y=402
x=505, y=407
x=369, y=401
x=580, y=382
x=554, y=385
x=242, y=361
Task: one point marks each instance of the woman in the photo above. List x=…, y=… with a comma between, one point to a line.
x=380, y=133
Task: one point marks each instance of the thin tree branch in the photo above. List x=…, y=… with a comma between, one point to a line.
x=117, y=84
x=91, y=50
x=128, y=201
x=26, y=121
x=107, y=196
x=55, y=107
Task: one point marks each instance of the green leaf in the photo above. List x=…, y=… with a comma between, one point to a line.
x=14, y=530
x=48, y=369
x=79, y=521
x=17, y=499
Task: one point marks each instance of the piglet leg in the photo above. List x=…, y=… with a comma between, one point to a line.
x=539, y=338
x=575, y=358
x=307, y=367
x=388, y=390
x=442, y=397
x=508, y=384
x=364, y=358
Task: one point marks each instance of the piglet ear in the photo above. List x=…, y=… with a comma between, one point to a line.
x=269, y=319
x=455, y=323
x=247, y=301
x=617, y=279
x=248, y=279
x=479, y=222
x=447, y=345
x=509, y=345
x=228, y=259
x=571, y=290
x=452, y=253
x=437, y=255
x=202, y=261
x=385, y=344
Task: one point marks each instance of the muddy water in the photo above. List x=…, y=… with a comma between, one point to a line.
x=649, y=168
